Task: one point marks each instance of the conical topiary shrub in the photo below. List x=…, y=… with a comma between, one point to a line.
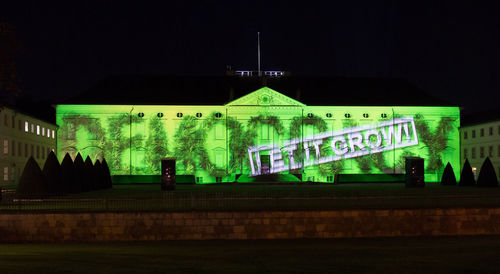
x=448, y=178
x=68, y=175
x=467, y=176
x=107, y=182
x=487, y=176
x=90, y=174
x=52, y=172
x=32, y=183
x=81, y=174
x=99, y=175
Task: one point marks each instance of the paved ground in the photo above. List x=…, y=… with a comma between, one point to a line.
x=473, y=254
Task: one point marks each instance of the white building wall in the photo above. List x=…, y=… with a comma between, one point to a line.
x=22, y=136
x=478, y=142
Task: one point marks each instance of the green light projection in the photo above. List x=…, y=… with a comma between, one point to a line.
x=284, y=135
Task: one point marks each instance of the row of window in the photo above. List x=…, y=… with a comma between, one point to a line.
x=30, y=127
x=219, y=115
x=482, y=152
x=20, y=149
x=481, y=132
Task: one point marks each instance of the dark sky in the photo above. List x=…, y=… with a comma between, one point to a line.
x=447, y=48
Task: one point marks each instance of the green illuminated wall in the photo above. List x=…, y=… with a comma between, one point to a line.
x=214, y=141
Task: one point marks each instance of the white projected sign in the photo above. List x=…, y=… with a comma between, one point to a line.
x=346, y=143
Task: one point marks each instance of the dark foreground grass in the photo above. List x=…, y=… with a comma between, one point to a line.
x=265, y=197
x=471, y=254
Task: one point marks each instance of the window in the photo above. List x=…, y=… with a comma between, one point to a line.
x=32, y=150
x=140, y=114
x=199, y=114
x=26, y=126
x=491, y=131
x=465, y=134
x=13, y=151
x=465, y=153
x=32, y=128
x=19, y=146
x=179, y=114
x=498, y=130
x=366, y=115
x=37, y=152
x=43, y=131
x=473, y=152
x=13, y=121
x=37, y=129
x=481, y=132
x=159, y=114
x=53, y=134
x=26, y=150
x=490, y=151
x=481, y=152
x=473, y=133
x=5, y=146
x=5, y=173
x=347, y=115
x=48, y=133
x=498, y=151
x=43, y=153
x=383, y=115
x=329, y=115
x=218, y=115
x=218, y=179
x=19, y=125
x=6, y=120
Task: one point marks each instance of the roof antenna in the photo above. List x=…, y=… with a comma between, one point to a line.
x=258, y=53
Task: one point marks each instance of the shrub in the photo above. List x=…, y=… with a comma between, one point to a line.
x=448, y=178
x=80, y=173
x=100, y=176
x=467, y=176
x=90, y=174
x=68, y=175
x=487, y=176
x=107, y=182
x=32, y=183
x=52, y=172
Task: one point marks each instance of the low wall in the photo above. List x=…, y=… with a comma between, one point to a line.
x=144, y=226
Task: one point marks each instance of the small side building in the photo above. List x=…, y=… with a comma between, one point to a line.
x=22, y=136
x=480, y=138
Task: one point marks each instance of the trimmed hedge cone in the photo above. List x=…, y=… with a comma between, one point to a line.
x=52, y=171
x=448, y=178
x=108, y=183
x=487, y=176
x=467, y=176
x=32, y=184
x=68, y=174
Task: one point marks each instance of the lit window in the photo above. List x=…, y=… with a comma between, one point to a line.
x=5, y=146
x=43, y=131
x=32, y=128
x=53, y=134
x=37, y=129
x=5, y=173
x=26, y=126
x=48, y=133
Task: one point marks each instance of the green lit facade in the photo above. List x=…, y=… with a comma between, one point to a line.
x=262, y=132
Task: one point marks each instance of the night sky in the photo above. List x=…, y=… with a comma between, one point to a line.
x=447, y=48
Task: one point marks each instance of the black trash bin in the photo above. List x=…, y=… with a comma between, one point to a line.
x=168, y=174
x=414, y=167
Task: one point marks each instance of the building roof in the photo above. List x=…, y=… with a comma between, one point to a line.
x=219, y=90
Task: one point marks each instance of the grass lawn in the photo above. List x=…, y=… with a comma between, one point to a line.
x=471, y=254
x=143, y=197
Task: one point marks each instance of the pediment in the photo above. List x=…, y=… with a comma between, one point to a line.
x=265, y=97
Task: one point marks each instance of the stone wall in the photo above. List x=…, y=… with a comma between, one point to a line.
x=144, y=226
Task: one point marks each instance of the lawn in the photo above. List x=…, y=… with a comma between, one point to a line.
x=471, y=254
x=141, y=197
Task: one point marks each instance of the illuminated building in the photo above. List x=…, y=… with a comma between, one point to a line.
x=22, y=136
x=480, y=138
x=260, y=131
